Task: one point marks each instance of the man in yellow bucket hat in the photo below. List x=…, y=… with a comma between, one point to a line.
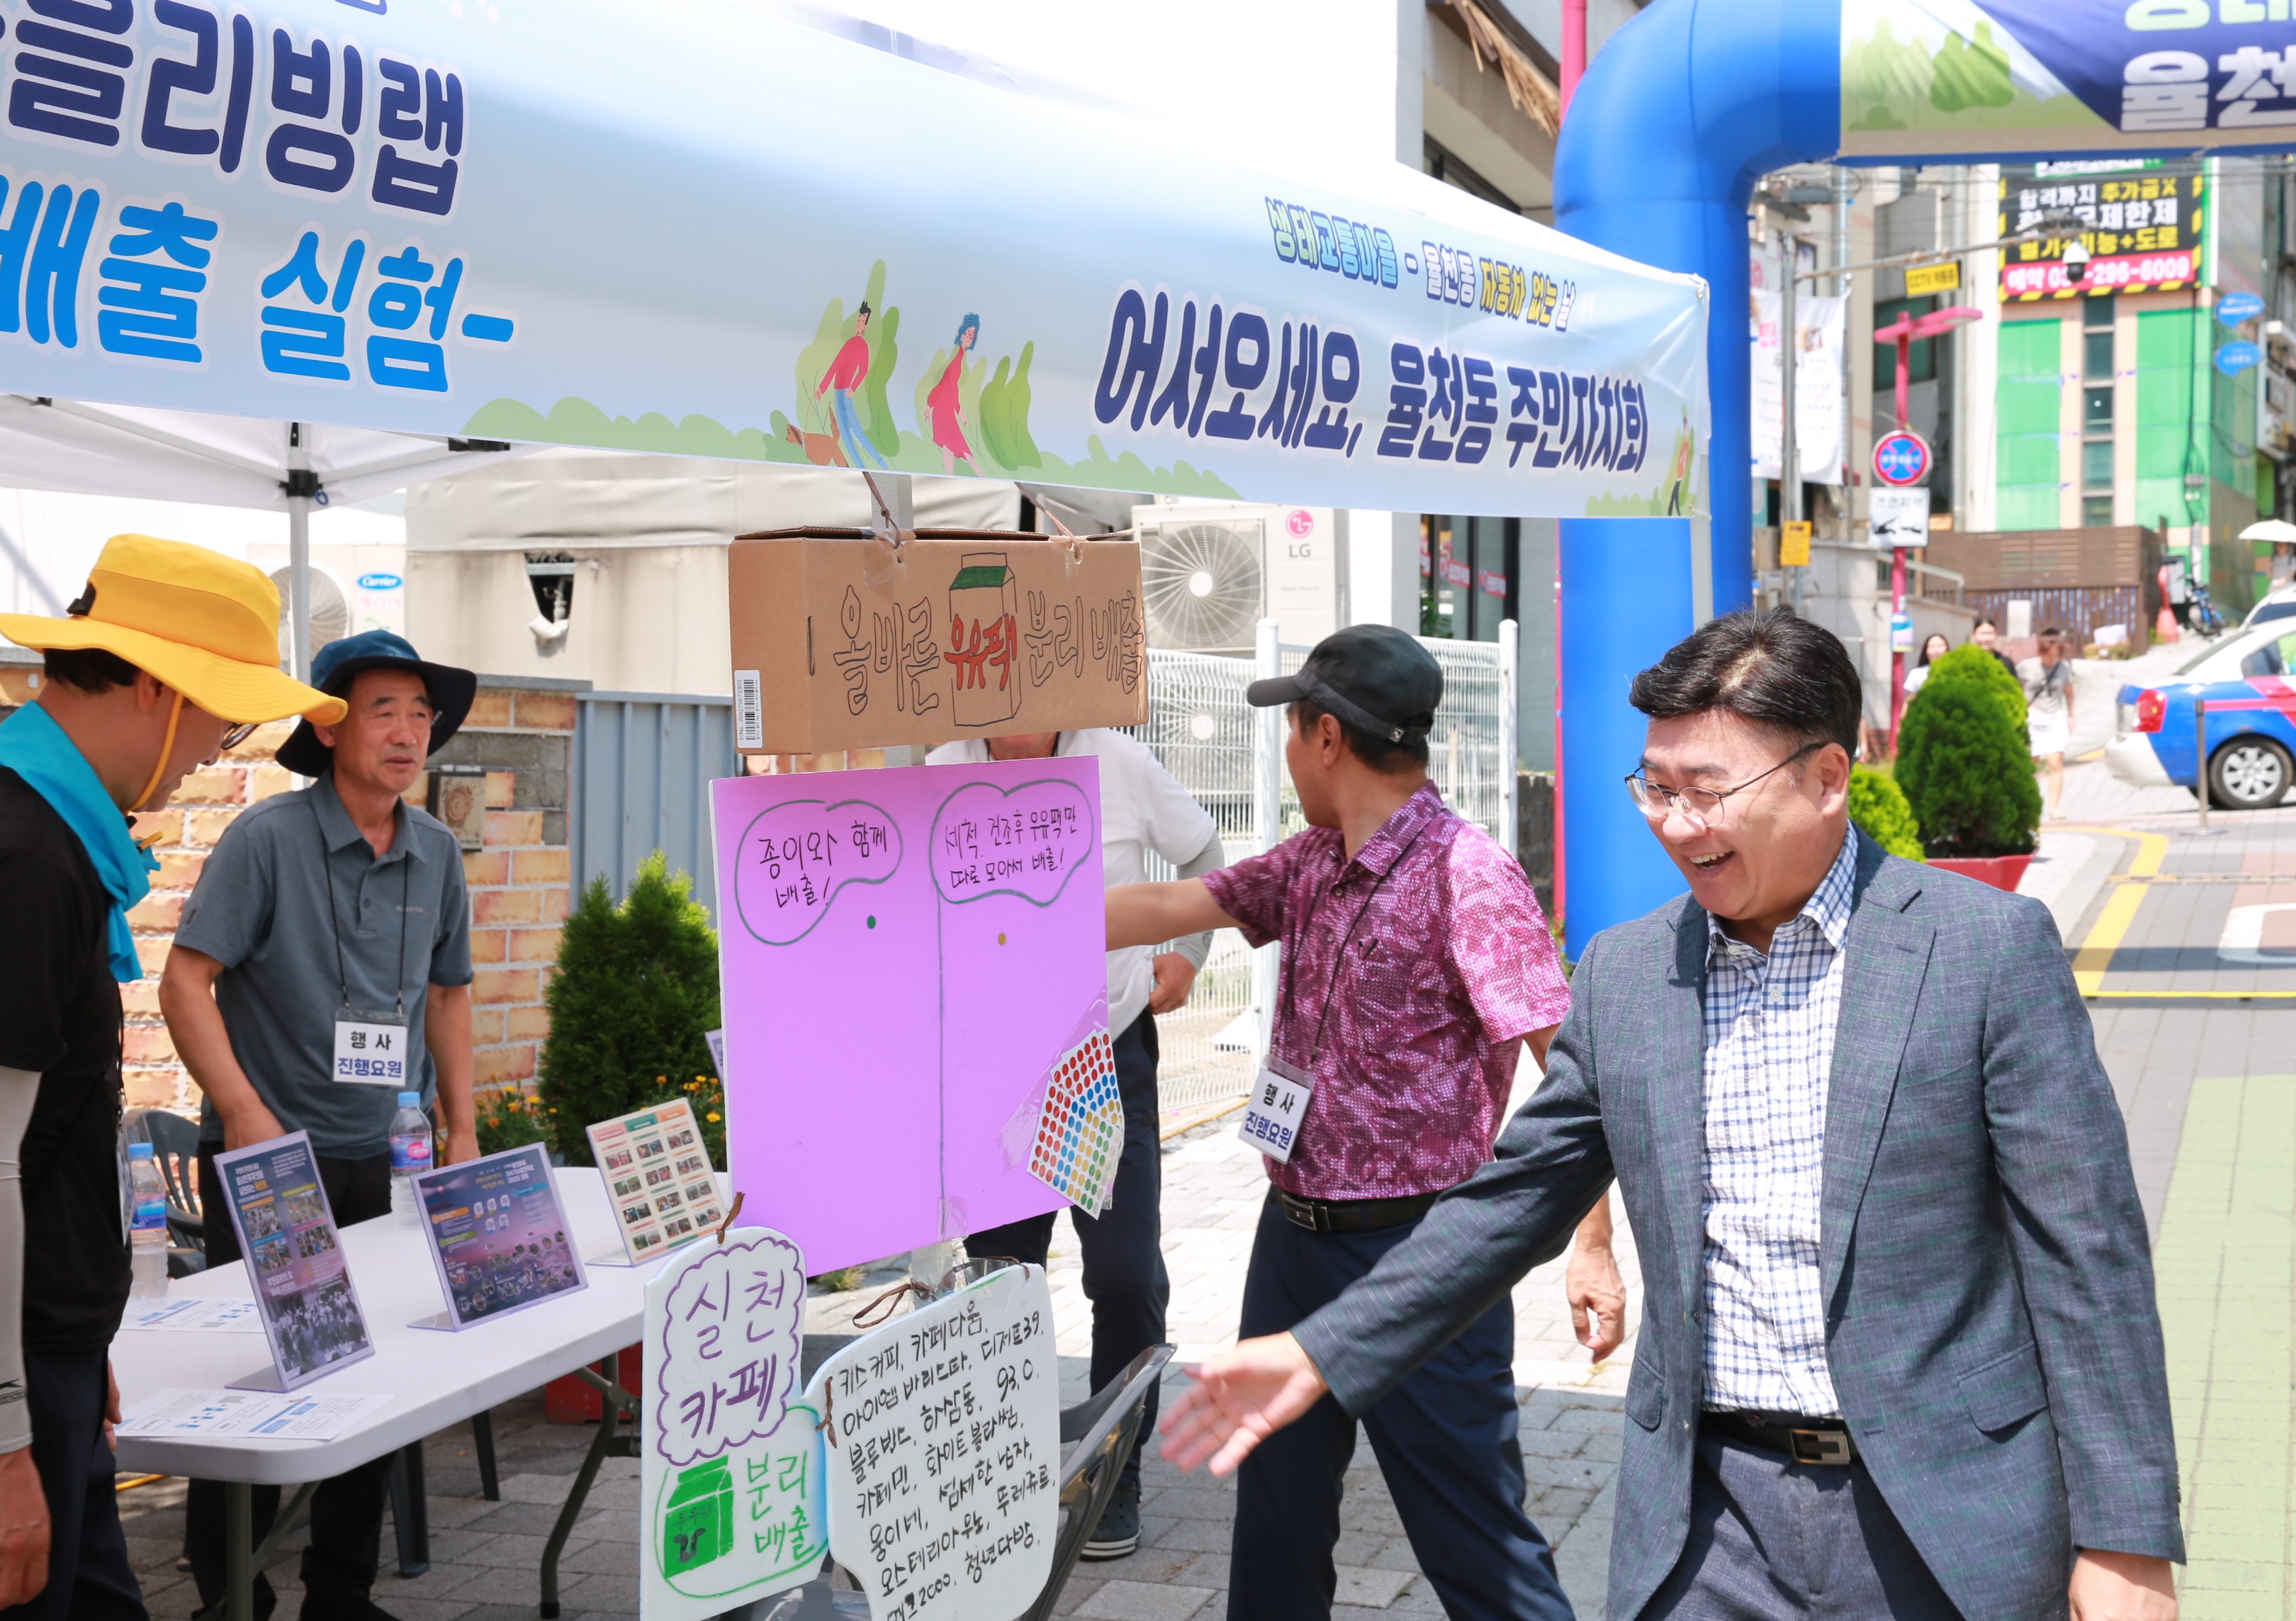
x=170, y=657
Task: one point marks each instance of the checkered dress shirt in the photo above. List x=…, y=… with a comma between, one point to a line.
x=1769, y=1050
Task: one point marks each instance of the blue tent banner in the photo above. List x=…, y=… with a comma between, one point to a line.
x=724, y=233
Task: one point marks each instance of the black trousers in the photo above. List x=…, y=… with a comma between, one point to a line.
x=1124, y=1275
x=89, y=1577
x=346, y=1546
x=1446, y=1440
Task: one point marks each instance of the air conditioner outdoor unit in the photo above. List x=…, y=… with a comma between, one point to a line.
x=1210, y=572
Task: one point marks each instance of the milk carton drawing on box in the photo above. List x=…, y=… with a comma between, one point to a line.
x=984, y=631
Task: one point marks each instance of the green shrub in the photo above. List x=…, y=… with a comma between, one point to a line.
x=632, y=1001
x=1878, y=806
x=1964, y=761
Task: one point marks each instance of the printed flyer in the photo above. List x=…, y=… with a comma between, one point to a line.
x=498, y=1235
x=311, y=1315
x=658, y=1174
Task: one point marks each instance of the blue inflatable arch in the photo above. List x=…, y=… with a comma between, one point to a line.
x=1686, y=108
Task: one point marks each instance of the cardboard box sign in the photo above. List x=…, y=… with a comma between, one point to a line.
x=842, y=640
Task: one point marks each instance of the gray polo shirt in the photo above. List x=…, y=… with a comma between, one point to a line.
x=261, y=910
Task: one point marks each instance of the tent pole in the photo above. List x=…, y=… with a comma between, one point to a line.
x=300, y=487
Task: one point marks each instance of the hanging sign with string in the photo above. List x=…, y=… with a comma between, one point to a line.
x=857, y=639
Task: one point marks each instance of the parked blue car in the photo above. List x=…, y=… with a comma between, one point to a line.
x=2245, y=680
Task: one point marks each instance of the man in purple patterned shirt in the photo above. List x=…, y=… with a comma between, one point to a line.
x=1415, y=962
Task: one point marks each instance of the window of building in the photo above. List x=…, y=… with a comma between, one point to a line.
x=2096, y=411
x=1921, y=355
x=1468, y=576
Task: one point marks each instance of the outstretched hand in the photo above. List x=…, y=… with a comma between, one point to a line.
x=1240, y=1398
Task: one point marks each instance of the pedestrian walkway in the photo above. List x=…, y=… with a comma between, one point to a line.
x=2193, y=992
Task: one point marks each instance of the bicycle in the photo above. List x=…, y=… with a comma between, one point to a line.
x=2206, y=619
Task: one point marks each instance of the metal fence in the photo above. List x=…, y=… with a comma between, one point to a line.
x=641, y=772
x=1230, y=757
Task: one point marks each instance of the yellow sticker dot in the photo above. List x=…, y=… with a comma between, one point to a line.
x=1000, y=940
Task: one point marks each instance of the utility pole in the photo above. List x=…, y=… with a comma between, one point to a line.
x=1789, y=449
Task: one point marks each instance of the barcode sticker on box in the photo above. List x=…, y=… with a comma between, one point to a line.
x=749, y=711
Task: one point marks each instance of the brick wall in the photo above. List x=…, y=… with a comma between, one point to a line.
x=522, y=884
x=522, y=733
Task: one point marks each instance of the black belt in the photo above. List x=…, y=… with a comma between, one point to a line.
x=1354, y=1216
x=1803, y=1440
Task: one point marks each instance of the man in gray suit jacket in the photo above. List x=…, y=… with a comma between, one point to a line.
x=1899, y=1356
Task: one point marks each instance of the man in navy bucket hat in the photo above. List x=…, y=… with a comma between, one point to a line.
x=330, y=924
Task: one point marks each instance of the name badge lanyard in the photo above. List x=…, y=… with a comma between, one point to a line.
x=370, y=1046
x=1279, y=1099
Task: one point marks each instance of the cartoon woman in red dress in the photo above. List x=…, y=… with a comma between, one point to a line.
x=946, y=402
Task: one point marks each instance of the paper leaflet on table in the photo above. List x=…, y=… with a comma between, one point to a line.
x=197, y=1314
x=730, y=1465
x=1079, y=1127
x=248, y=1415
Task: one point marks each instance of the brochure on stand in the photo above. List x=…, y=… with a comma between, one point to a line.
x=658, y=1174
x=303, y=1292
x=498, y=1235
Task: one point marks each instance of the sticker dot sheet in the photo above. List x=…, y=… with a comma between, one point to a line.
x=1080, y=1129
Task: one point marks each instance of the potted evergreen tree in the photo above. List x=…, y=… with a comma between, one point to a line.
x=1878, y=807
x=1967, y=770
x=632, y=1003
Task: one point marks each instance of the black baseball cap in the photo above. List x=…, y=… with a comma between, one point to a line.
x=1375, y=678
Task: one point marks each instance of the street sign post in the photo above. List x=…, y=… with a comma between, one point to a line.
x=1901, y=457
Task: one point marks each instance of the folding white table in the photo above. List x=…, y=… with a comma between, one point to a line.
x=433, y=1378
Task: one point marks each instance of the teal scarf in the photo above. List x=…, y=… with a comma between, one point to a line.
x=37, y=750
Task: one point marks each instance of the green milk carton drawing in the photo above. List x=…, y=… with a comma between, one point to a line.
x=984, y=634
x=697, y=1523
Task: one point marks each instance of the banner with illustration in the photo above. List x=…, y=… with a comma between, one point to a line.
x=1939, y=78
x=718, y=232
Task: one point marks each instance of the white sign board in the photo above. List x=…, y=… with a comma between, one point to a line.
x=1900, y=517
x=944, y=1451
x=730, y=1472
x=1818, y=368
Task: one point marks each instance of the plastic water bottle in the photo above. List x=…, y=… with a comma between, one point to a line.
x=147, y=1228
x=410, y=1151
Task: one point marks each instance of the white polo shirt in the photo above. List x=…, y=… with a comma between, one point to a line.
x=1141, y=808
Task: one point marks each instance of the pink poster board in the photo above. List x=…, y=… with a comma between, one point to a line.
x=905, y=957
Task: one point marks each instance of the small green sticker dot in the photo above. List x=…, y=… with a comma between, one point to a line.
x=872, y=921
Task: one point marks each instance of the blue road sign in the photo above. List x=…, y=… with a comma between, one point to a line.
x=2233, y=359
x=2234, y=308
x=1901, y=457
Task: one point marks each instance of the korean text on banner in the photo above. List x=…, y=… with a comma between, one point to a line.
x=943, y=1453
x=842, y=640
x=2055, y=76
x=959, y=908
x=357, y=213
x=729, y=1471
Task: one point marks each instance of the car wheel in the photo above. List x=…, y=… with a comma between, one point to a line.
x=2249, y=774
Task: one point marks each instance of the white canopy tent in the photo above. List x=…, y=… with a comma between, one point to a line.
x=293, y=467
